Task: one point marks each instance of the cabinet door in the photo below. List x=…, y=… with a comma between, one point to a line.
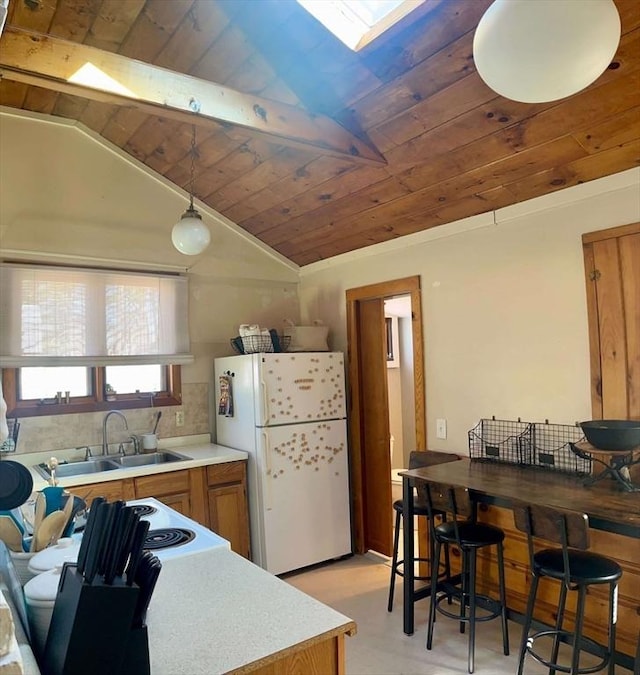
x=180, y=502
x=228, y=515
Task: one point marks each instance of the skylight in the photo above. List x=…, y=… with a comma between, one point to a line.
x=358, y=22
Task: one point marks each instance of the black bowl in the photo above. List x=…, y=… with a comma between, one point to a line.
x=619, y=435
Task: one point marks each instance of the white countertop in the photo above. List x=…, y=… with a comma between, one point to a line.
x=198, y=448
x=214, y=612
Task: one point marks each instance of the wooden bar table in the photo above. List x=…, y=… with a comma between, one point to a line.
x=609, y=508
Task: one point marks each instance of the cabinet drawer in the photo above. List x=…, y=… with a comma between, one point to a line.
x=112, y=491
x=229, y=472
x=162, y=484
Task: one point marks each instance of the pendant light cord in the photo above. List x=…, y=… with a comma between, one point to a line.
x=193, y=154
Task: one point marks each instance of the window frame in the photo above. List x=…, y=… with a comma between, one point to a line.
x=94, y=403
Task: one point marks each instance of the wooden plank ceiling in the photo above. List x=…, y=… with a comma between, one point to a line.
x=433, y=142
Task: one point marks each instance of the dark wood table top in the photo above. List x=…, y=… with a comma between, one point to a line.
x=607, y=505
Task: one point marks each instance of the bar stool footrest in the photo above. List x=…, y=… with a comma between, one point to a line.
x=560, y=667
x=483, y=602
x=427, y=561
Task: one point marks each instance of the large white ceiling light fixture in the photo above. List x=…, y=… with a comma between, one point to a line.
x=537, y=51
x=190, y=235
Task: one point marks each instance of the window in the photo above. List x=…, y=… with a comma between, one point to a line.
x=73, y=316
x=358, y=22
x=132, y=379
x=75, y=339
x=43, y=391
x=42, y=382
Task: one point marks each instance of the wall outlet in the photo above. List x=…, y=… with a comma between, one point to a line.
x=441, y=428
x=179, y=418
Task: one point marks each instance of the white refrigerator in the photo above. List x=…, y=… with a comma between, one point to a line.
x=287, y=410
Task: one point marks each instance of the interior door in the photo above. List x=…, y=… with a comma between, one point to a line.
x=359, y=419
x=375, y=426
x=613, y=288
x=612, y=266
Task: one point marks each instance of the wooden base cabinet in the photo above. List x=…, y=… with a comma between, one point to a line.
x=227, y=504
x=324, y=655
x=625, y=550
x=214, y=495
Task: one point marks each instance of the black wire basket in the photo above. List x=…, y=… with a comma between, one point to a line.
x=544, y=445
x=506, y=441
x=260, y=344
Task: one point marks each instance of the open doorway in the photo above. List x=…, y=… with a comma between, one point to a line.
x=400, y=387
x=369, y=405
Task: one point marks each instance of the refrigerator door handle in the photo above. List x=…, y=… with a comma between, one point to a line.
x=265, y=403
x=267, y=471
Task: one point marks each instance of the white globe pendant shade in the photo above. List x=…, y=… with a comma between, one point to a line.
x=535, y=51
x=190, y=235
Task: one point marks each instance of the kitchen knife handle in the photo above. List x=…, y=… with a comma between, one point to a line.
x=105, y=538
x=95, y=542
x=87, y=534
x=112, y=552
x=131, y=519
x=146, y=578
x=142, y=528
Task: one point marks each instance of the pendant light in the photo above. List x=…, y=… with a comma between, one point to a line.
x=190, y=235
x=536, y=51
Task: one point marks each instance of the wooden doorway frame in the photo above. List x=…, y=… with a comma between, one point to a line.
x=386, y=289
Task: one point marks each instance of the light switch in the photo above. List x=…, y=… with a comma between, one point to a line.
x=441, y=428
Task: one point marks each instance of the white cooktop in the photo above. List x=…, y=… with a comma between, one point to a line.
x=165, y=517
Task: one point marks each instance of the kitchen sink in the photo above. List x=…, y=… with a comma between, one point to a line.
x=150, y=458
x=98, y=465
x=78, y=468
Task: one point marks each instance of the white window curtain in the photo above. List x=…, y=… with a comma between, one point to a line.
x=51, y=316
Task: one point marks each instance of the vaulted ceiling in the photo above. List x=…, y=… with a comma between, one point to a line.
x=312, y=148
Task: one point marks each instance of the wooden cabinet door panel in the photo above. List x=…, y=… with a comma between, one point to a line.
x=181, y=502
x=228, y=516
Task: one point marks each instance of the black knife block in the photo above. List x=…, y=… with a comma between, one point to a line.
x=90, y=630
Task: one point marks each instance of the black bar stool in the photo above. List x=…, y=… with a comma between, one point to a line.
x=417, y=459
x=469, y=536
x=576, y=569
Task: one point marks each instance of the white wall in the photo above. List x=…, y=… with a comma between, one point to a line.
x=504, y=306
x=70, y=197
x=394, y=389
x=408, y=398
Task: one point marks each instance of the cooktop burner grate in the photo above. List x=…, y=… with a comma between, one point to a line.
x=168, y=537
x=144, y=510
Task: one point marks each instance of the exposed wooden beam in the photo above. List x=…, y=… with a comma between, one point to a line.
x=46, y=61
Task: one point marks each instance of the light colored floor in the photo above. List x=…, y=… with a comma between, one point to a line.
x=358, y=588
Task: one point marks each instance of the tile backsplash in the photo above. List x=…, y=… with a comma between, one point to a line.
x=57, y=432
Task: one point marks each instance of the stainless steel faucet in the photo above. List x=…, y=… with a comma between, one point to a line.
x=105, y=443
